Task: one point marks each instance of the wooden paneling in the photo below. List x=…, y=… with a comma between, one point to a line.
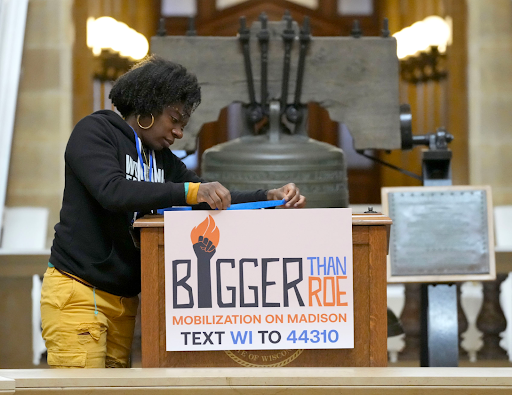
x=456, y=91
x=141, y=15
x=433, y=104
x=378, y=247
x=325, y=21
x=150, y=302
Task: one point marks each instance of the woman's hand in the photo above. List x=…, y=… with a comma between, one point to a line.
x=290, y=193
x=215, y=194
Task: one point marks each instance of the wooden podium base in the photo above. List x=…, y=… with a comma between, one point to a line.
x=370, y=234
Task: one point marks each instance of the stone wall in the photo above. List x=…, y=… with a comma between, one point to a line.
x=44, y=110
x=490, y=96
x=36, y=173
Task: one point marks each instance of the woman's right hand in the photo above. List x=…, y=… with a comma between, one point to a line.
x=215, y=194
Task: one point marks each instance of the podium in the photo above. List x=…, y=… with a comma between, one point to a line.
x=370, y=239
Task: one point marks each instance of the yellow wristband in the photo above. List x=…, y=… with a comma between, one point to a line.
x=193, y=188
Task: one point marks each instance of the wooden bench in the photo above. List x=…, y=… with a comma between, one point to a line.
x=220, y=381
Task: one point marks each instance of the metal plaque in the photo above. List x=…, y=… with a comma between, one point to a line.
x=439, y=231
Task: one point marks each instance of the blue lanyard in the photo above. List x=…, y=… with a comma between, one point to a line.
x=140, y=157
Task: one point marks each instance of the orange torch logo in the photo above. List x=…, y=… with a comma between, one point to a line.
x=206, y=230
x=205, y=239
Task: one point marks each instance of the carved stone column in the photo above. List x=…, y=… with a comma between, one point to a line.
x=491, y=320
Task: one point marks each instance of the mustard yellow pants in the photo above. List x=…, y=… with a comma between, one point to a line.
x=85, y=328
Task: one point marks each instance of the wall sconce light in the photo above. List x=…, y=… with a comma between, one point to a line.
x=115, y=45
x=421, y=49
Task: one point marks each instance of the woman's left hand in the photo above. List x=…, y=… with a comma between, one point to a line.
x=290, y=193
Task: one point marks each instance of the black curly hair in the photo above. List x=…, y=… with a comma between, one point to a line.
x=151, y=85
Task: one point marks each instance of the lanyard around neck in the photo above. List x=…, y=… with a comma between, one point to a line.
x=137, y=145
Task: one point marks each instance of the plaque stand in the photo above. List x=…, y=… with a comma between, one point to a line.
x=439, y=326
x=441, y=262
x=439, y=323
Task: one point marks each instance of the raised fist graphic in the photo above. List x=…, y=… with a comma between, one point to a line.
x=204, y=250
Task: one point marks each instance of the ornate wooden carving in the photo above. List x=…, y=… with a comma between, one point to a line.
x=491, y=320
x=411, y=322
x=325, y=20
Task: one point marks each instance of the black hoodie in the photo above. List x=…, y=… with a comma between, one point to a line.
x=102, y=192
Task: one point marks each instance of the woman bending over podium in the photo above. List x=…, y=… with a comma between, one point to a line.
x=119, y=167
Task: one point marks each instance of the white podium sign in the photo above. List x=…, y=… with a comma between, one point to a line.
x=258, y=279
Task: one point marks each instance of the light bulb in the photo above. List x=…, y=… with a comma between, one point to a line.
x=107, y=33
x=420, y=36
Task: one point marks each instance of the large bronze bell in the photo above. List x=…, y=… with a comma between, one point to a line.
x=281, y=155
x=271, y=160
